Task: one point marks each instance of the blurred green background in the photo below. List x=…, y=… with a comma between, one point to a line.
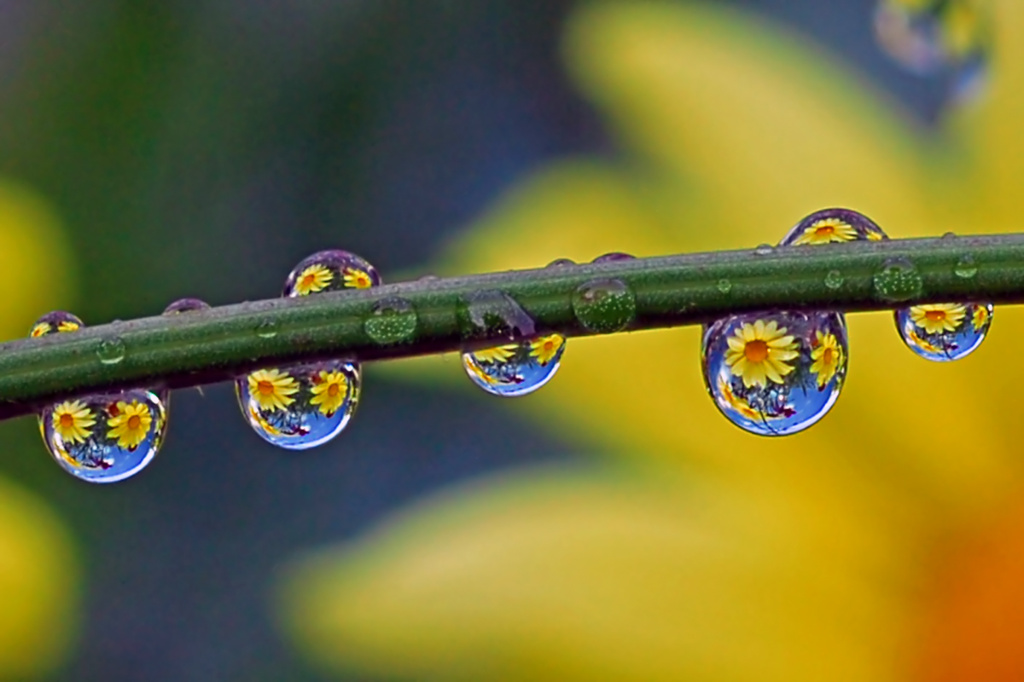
x=613, y=526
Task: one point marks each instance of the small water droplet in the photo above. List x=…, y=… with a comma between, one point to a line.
x=391, y=321
x=186, y=305
x=515, y=369
x=764, y=249
x=56, y=322
x=266, y=329
x=833, y=226
x=111, y=351
x=604, y=306
x=898, y=280
x=613, y=257
x=724, y=285
x=560, y=263
x=948, y=236
x=775, y=373
x=300, y=406
x=944, y=331
x=834, y=279
x=966, y=267
x=331, y=270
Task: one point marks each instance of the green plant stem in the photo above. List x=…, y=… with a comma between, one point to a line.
x=209, y=346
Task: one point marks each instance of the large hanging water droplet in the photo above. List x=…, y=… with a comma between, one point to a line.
x=300, y=406
x=775, y=373
x=391, y=321
x=944, y=331
x=515, y=369
x=102, y=437
x=948, y=39
x=107, y=437
x=604, y=306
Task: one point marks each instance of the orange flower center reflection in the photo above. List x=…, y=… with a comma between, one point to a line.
x=67, y=421
x=133, y=422
x=756, y=351
x=307, y=282
x=265, y=388
x=935, y=315
x=827, y=356
x=333, y=390
x=825, y=231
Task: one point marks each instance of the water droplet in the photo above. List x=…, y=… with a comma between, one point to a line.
x=724, y=285
x=56, y=322
x=966, y=267
x=266, y=329
x=517, y=368
x=111, y=351
x=949, y=236
x=898, y=280
x=560, y=263
x=105, y=437
x=775, y=373
x=833, y=226
x=186, y=305
x=331, y=270
x=834, y=279
x=613, y=257
x=949, y=39
x=764, y=249
x=604, y=305
x=392, y=321
x=300, y=406
x=493, y=313
x=944, y=331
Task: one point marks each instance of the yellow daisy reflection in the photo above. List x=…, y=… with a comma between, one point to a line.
x=129, y=424
x=496, y=354
x=272, y=389
x=980, y=317
x=357, y=279
x=67, y=326
x=329, y=392
x=41, y=329
x=72, y=421
x=313, y=279
x=760, y=352
x=544, y=348
x=826, y=356
x=827, y=231
x=936, y=318
x=473, y=368
x=741, y=405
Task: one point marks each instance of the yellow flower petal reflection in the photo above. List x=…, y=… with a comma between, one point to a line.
x=760, y=352
x=561, y=577
x=936, y=318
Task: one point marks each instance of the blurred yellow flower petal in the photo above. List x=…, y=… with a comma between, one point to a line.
x=566, y=577
x=38, y=581
x=791, y=558
x=35, y=265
